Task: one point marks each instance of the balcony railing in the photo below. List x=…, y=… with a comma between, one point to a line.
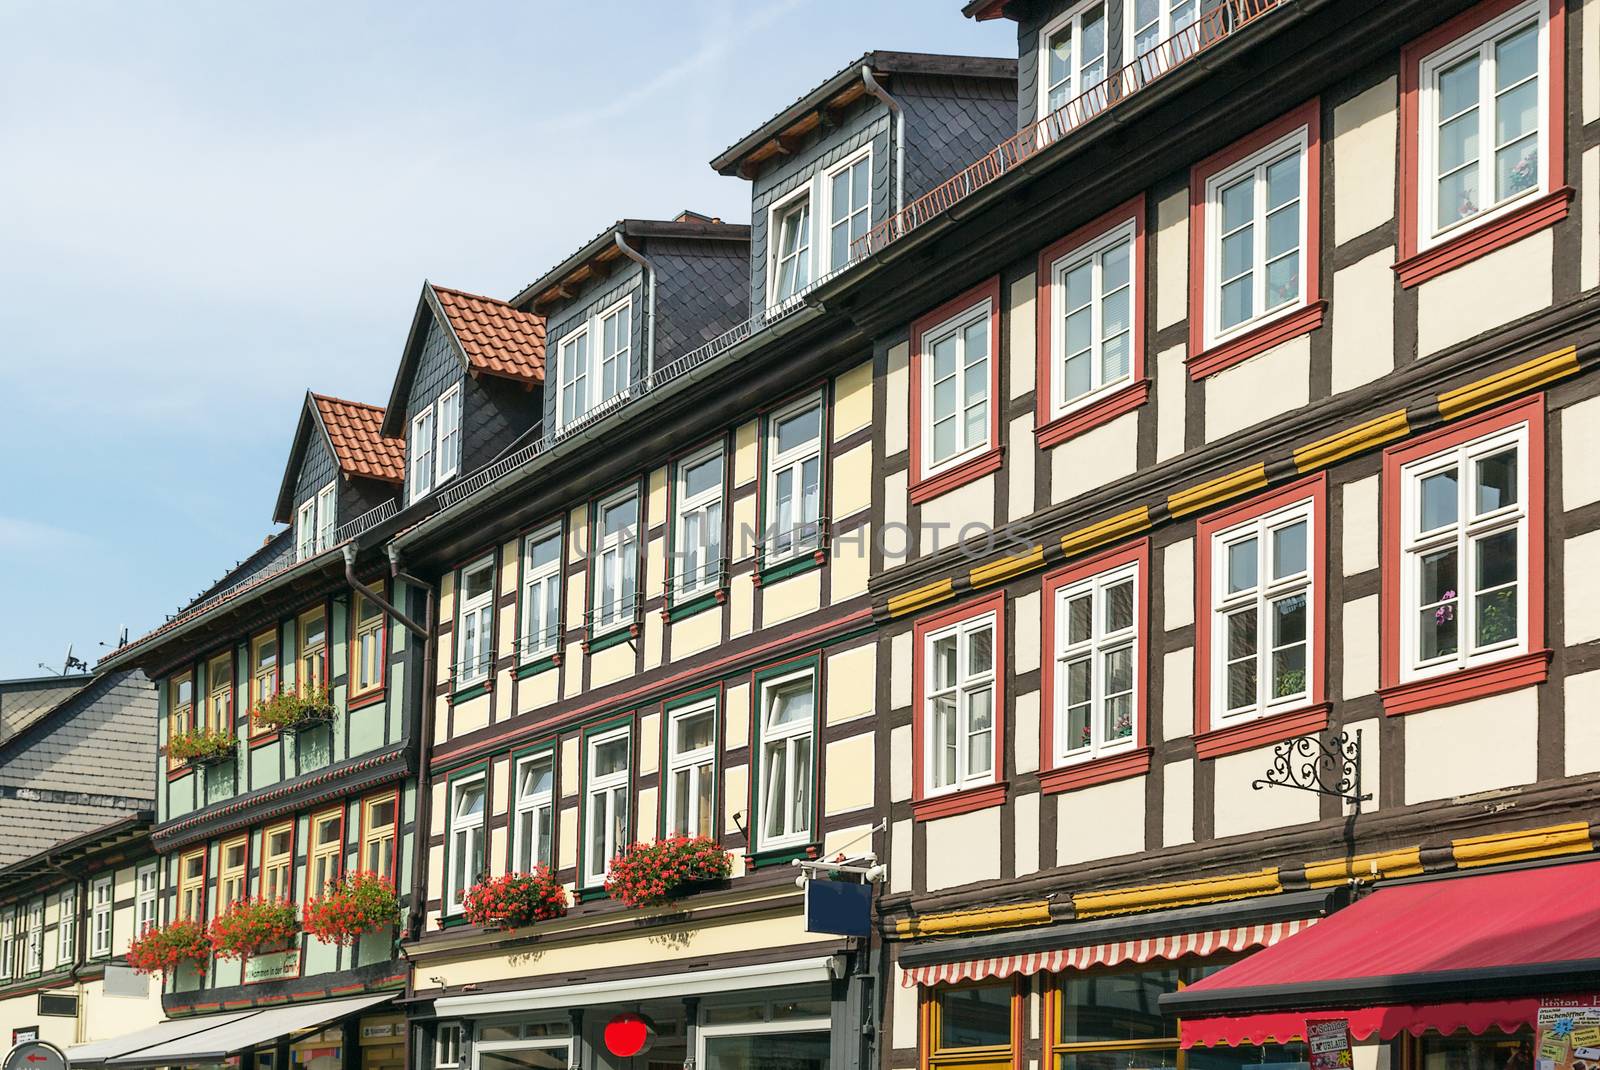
x=1214, y=27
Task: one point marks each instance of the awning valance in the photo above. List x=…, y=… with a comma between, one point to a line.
x=1443, y=953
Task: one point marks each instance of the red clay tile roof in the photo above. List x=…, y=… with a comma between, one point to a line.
x=496, y=338
x=361, y=449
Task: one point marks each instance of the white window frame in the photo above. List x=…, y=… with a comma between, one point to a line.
x=420, y=445
x=480, y=1048
x=573, y=373
x=1265, y=592
x=765, y=1028
x=828, y=176
x=967, y=683
x=688, y=764
x=447, y=462
x=624, y=352
x=787, y=738
x=590, y=369
x=8, y=942
x=1072, y=17
x=537, y=585
x=1101, y=641
x=800, y=540
x=474, y=665
x=709, y=573
x=1093, y=253
x=35, y=945
x=447, y=1053
x=67, y=926
x=1164, y=32
x=956, y=326
x=1481, y=40
x=613, y=613
x=147, y=897
x=1462, y=535
x=599, y=803
x=102, y=909
x=780, y=210
x=466, y=839
x=526, y=807
x=1296, y=141
x=327, y=515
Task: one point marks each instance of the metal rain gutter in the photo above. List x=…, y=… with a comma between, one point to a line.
x=899, y=135
x=649, y=299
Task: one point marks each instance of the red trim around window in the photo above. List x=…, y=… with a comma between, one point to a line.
x=293, y=821
x=353, y=651
x=1309, y=716
x=1517, y=670
x=924, y=806
x=1203, y=362
x=1124, y=764
x=1540, y=212
x=923, y=486
x=1053, y=432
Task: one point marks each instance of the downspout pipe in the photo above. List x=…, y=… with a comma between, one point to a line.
x=373, y=596
x=419, y=868
x=649, y=300
x=899, y=135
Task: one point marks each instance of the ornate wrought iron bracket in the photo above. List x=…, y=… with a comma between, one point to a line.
x=1308, y=764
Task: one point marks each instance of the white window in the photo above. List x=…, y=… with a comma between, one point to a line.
x=788, y=724
x=1096, y=634
x=421, y=445
x=616, y=349
x=960, y=683
x=541, y=592
x=594, y=362
x=475, y=623
x=794, y=479
x=617, y=562
x=327, y=517
x=305, y=530
x=466, y=840
x=534, y=822
x=789, y=234
x=8, y=943
x=691, y=770
x=1092, y=324
x=1072, y=56
x=100, y=912
x=36, y=936
x=1484, y=122
x=605, y=803
x=1464, y=550
x=1262, y=627
x=849, y=189
x=67, y=927
x=1256, y=238
x=1151, y=22
x=447, y=459
x=955, y=388
x=146, y=900
x=572, y=377
x=447, y=1045
x=697, y=540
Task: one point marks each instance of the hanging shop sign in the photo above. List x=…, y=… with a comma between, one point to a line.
x=843, y=908
x=629, y=1034
x=1328, y=1040
x=1568, y=1038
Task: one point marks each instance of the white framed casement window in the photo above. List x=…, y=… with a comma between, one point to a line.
x=847, y=197
x=606, y=799
x=788, y=762
x=616, y=562
x=475, y=623
x=379, y=823
x=534, y=820
x=594, y=362
x=420, y=443
x=1464, y=579
x=1072, y=55
x=794, y=479
x=35, y=916
x=572, y=377
x=697, y=526
x=327, y=516
x=67, y=927
x=467, y=804
x=1092, y=299
x=1096, y=666
x=789, y=239
x=801, y=1032
x=616, y=349
x=541, y=593
x=8, y=943
x=100, y=915
x=447, y=456
x=960, y=697
x=305, y=530
x=146, y=898
x=1484, y=123
x=1152, y=22
x=955, y=387
x=1256, y=238
x=447, y=1046
x=691, y=770
x=1263, y=630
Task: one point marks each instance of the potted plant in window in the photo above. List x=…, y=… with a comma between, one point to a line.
x=253, y=925
x=355, y=904
x=515, y=900
x=164, y=948
x=294, y=709
x=202, y=746
x=649, y=874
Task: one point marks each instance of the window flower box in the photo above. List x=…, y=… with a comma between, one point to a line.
x=649, y=874
x=202, y=746
x=515, y=900
x=253, y=925
x=164, y=948
x=355, y=904
x=294, y=710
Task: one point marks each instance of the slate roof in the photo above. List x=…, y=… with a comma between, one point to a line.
x=22, y=702
x=358, y=444
x=496, y=338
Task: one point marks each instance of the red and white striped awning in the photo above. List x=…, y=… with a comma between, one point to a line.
x=1178, y=946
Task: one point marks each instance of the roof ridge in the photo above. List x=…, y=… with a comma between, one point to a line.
x=479, y=297
x=347, y=401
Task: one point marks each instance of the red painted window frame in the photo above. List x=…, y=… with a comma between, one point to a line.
x=925, y=807
x=1546, y=209
x=380, y=690
x=361, y=831
x=1136, y=760
x=1492, y=678
x=293, y=821
x=925, y=486
x=1201, y=361
x=1052, y=431
x=1310, y=716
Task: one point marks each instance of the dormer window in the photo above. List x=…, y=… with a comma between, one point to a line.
x=1153, y=21
x=594, y=362
x=849, y=190
x=791, y=255
x=1072, y=56
x=422, y=452
x=447, y=459
x=315, y=523
x=435, y=442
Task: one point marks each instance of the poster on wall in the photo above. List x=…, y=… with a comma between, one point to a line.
x=1568, y=1038
x=1328, y=1042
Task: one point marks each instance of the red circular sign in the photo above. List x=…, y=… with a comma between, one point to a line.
x=628, y=1034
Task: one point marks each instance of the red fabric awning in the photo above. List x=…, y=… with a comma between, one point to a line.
x=1464, y=952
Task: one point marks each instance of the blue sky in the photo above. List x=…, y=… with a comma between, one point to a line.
x=208, y=208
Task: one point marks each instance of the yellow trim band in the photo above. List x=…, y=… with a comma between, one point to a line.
x=1007, y=567
x=1529, y=375
x=1107, y=530
x=1006, y=916
x=1379, y=865
x=1217, y=490
x=1522, y=845
x=1351, y=440
x=911, y=601
x=1177, y=893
